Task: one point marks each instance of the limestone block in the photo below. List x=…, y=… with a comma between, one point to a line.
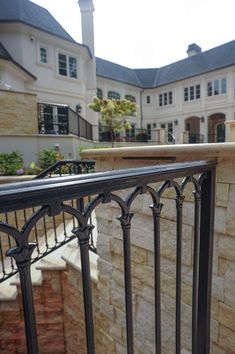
x=218, y=287
x=214, y=308
x=144, y=273
x=226, y=339
x=168, y=241
x=119, y=316
x=227, y=316
x=104, y=268
x=117, y=296
x=148, y=293
x=214, y=331
x=229, y=285
x=103, y=247
x=215, y=349
x=225, y=171
x=220, y=216
x=104, y=211
x=138, y=255
x=226, y=247
x=144, y=316
x=222, y=194
x=222, y=266
x=230, y=212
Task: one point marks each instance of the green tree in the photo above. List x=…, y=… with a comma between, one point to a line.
x=113, y=113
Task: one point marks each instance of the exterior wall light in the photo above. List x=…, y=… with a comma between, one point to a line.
x=202, y=119
x=176, y=122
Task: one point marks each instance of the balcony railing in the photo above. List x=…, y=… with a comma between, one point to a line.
x=50, y=198
x=62, y=120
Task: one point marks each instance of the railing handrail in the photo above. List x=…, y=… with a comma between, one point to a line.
x=14, y=196
x=57, y=164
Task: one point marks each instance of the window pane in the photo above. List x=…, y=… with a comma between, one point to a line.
x=224, y=85
x=165, y=98
x=72, y=67
x=114, y=95
x=43, y=55
x=130, y=98
x=99, y=93
x=170, y=97
x=209, y=88
x=160, y=99
x=191, y=92
x=186, y=93
x=216, y=87
x=148, y=99
x=62, y=65
x=198, y=91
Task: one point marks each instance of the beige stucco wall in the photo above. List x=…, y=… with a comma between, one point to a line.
x=18, y=114
x=110, y=263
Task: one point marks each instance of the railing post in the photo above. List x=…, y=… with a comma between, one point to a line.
x=22, y=256
x=205, y=262
x=83, y=235
x=125, y=221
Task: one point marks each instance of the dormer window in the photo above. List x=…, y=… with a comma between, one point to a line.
x=67, y=65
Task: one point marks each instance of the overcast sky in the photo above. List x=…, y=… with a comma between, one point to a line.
x=149, y=33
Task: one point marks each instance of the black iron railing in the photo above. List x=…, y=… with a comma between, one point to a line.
x=78, y=125
x=49, y=198
x=62, y=120
x=64, y=168
x=48, y=234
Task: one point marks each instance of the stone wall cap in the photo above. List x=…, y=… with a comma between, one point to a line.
x=209, y=150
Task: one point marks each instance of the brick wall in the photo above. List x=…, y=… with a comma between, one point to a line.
x=18, y=114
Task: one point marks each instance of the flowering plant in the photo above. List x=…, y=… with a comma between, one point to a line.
x=113, y=113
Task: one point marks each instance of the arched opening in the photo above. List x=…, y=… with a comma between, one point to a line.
x=192, y=126
x=216, y=128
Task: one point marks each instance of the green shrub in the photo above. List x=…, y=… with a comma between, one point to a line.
x=11, y=163
x=47, y=157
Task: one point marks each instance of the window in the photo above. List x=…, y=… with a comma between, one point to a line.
x=130, y=98
x=43, y=55
x=192, y=93
x=148, y=99
x=149, y=131
x=114, y=95
x=99, y=93
x=165, y=98
x=154, y=125
x=67, y=65
x=217, y=87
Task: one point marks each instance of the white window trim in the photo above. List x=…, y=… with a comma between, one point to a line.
x=68, y=54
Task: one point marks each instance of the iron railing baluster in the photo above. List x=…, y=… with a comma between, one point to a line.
x=156, y=209
x=196, y=247
x=125, y=221
x=179, y=204
x=205, y=261
x=83, y=235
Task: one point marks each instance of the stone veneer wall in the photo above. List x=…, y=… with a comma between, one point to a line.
x=18, y=114
x=110, y=264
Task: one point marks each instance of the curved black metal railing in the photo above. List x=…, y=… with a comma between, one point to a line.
x=50, y=199
x=48, y=234
x=67, y=167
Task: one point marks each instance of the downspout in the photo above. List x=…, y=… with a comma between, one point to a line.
x=141, y=109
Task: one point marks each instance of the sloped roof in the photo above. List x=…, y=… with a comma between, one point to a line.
x=109, y=70
x=201, y=63
x=6, y=56
x=31, y=14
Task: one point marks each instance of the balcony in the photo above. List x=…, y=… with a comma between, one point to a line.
x=153, y=286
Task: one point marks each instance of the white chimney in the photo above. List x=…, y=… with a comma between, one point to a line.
x=87, y=9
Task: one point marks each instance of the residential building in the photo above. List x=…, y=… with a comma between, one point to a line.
x=189, y=100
